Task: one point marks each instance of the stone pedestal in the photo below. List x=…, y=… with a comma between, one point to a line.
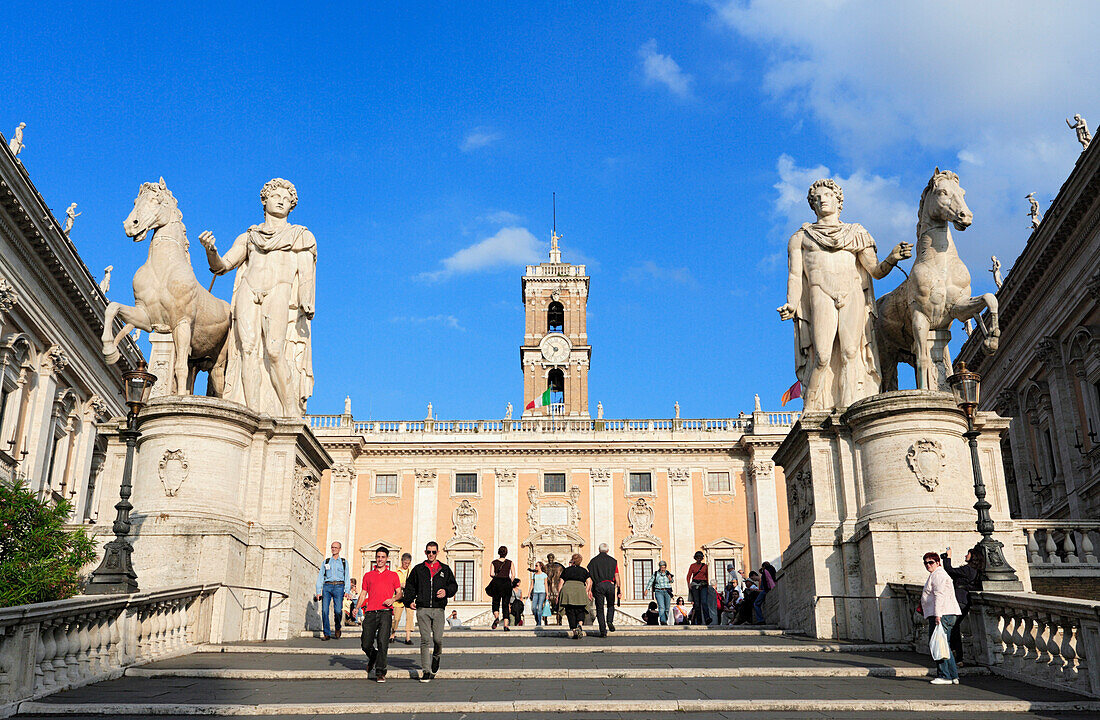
x=869, y=491
x=222, y=494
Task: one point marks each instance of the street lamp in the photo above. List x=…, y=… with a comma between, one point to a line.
x=998, y=575
x=115, y=575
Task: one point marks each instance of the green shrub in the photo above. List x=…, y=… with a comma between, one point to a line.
x=40, y=560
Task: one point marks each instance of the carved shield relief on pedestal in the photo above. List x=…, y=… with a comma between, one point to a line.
x=172, y=471
x=927, y=460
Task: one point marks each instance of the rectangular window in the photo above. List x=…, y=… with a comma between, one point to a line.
x=719, y=572
x=466, y=483
x=718, y=482
x=553, y=482
x=641, y=482
x=385, y=484
x=642, y=571
x=464, y=575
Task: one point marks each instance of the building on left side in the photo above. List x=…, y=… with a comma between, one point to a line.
x=55, y=387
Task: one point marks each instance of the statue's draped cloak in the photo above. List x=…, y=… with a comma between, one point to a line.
x=298, y=348
x=853, y=238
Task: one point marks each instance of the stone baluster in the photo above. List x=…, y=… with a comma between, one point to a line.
x=1031, y=651
x=1069, y=652
x=61, y=646
x=1052, y=548
x=96, y=642
x=1054, y=644
x=1006, y=636
x=1042, y=628
x=1087, y=553
x=1019, y=639
x=1032, y=546
x=81, y=664
x=1069, y=552
x=43, y=669
x=72, y=651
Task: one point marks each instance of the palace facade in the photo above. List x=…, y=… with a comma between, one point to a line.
x=55, y=388
x=556, y=480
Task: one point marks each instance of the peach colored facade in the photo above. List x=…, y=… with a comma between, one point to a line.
x=556, y=480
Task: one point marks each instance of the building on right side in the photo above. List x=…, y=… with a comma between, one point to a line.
x=1045, y=376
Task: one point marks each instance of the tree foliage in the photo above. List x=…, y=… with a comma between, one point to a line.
x=40, y=560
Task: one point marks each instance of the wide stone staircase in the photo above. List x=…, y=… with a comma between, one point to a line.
x=636, y=672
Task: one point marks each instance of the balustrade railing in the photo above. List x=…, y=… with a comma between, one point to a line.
x=49, y=647
x=339, y=424
x=1062, y=547
x=1039, y=639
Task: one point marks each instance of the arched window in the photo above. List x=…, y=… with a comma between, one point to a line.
x=555, y=318
x=555, y=380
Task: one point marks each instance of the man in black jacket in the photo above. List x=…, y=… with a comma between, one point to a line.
x=426, y=590
x=966, y=578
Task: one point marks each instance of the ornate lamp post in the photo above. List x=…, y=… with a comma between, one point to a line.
x=998, y=574
x=115, y=575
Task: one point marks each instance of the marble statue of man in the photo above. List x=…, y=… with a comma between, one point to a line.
x=831, y=298
x=347, y=404
x=270, y=366
x=1082, y=129
x=508, y=412
x=70, y=217
x=676, y=410
x=996, y=270
x=16, y=143
x=429, y=416
x=1033, y=212
x=599, y=410
x=105, y=283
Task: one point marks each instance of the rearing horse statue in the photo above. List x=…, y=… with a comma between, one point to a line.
x=936, y=292
x=168, y=297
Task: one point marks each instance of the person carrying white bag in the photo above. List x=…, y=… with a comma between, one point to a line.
x=941, y=609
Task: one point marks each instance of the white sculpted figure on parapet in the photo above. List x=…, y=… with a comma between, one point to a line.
x=270, y=368
x=831, y=298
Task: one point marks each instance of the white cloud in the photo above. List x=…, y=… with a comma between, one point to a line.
x=479, y=138
x=987, y=85
x=448, y=321
x=650, y=271
x=658, y=69
x=509, y=246
x=877, y=203
x=501, y=217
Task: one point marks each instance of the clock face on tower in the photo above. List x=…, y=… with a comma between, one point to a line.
x=555, y=348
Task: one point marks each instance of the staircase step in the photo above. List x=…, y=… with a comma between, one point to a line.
x=572, y=648
x=951, y=713
x=621, y=631
x=558, y=674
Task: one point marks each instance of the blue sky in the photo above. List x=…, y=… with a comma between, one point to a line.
x=425, y=140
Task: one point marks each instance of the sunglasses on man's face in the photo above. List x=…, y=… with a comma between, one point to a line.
x=430, y=552
x=930, y=562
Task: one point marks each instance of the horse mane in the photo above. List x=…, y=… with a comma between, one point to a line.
x=163, y=194
x=936, y=175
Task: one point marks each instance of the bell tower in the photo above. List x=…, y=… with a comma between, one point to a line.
x=555, y=353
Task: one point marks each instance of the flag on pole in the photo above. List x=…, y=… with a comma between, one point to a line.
x=794, y=391
x=542, y=401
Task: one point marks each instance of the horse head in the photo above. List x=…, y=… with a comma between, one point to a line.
x=943, y=202
x=154, y=207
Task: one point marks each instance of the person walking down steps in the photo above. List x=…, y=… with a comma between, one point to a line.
x=380, y=590
x=333, y=582
x=430, y=585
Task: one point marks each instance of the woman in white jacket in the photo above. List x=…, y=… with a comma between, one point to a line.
x=940, y=607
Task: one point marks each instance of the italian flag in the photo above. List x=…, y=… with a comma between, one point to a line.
x=538, y=402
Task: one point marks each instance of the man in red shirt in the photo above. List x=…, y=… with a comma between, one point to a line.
x=379, y=590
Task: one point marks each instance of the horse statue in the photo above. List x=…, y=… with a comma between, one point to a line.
x=914, y=320
x=168, y=297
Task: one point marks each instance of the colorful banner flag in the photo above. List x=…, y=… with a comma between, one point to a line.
x=794, y=391
x=539, y=402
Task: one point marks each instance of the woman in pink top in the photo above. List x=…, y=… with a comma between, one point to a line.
x=939, y=606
